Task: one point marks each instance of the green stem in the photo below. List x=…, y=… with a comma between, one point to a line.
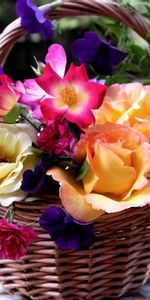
x=22, y=115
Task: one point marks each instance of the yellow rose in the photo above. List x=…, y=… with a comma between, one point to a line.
x=16, y=156
x=117, y=178
x=127, y=104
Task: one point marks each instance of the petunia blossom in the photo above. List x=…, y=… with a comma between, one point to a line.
x=92, y=49
x=37, y=181
x=65, y=231
x=33, y=20
x=73, y=96
x=14, y=240
x=33, y=180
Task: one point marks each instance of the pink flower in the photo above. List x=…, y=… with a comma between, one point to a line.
x=31, y=94
x=74, y=96
x=56, y=58
x=71, y=95
x=56, y=138
x=8, y=95
x=14, y=240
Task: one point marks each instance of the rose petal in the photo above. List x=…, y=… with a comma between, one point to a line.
x=73, y=196
x=48, y=80
x=56, y=57
x=101, y=202
x=111, y=170
x=76, y=74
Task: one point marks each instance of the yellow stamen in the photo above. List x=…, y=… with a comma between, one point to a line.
x=69, y=95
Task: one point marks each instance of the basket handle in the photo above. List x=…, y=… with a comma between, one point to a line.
x=106, y=8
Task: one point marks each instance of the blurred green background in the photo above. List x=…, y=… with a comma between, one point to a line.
x=19, y=62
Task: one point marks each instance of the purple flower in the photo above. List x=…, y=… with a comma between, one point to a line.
x=37, y=181
x=92, y=49
x=65, y=231
x=33, y=180
x=1, y=71
x=32, y=19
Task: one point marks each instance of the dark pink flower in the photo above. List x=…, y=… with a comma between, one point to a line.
x=31, y=94
x=56, y=138
x=73, y=96
x=14, y=240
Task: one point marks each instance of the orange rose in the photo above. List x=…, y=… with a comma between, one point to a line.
x=127, y=104
x=117, y=178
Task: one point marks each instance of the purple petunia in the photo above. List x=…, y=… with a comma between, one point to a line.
x=92, y=49
x=33, y=20
x=33, y=180
x=37, y=181
x=1, y=71
x=65, y=231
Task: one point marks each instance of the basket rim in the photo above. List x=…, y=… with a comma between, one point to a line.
x=67, y=8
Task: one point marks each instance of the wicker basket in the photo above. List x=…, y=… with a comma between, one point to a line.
x=119, y=260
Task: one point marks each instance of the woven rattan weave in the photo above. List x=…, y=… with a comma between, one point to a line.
x=120, y=258
x=118, y=261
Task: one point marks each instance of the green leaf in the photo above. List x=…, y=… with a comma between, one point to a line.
x=13, y=115
x=76, y=131
x=36, y=150
x=119, y=78
x=83, y=170
x=138, y=51
x=130, y=67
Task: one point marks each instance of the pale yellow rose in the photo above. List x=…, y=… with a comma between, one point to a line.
x=16, y=156
x=117, y=178
x=127, y=104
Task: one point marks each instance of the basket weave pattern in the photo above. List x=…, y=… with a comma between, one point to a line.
x=119, y=260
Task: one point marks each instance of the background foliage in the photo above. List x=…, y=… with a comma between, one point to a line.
x=134, y=67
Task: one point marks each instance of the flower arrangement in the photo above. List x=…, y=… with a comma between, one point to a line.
x=81, y=134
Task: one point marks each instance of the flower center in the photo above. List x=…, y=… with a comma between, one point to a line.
x=69, y=95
